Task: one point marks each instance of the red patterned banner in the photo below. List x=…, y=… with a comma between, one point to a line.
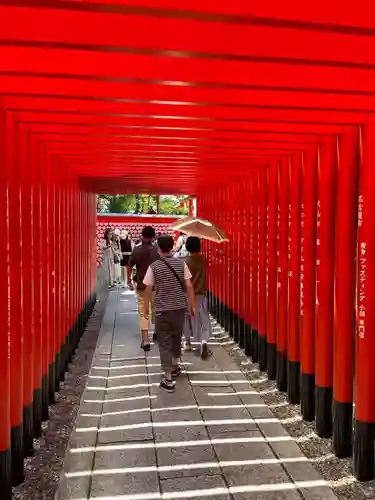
x=133, y=224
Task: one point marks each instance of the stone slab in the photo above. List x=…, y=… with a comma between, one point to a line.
x=124, y=484
x=116, y=459
x=173, y=434
x=195, y=484
x=185, y=456
x=243, y=450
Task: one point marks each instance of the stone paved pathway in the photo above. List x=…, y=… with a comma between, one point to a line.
x=213, y=438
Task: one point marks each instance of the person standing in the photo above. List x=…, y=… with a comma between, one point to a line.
x=141, y=258
x=116, y=256
x=198, y=326
x=126, y=246
x=180, y=250
x=106, y=247
x=171, y=279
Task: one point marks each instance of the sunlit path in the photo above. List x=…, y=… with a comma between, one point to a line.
x=132, y=441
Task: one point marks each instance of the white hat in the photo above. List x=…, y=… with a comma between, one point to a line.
x=117, y=232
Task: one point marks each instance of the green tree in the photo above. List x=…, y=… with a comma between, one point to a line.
x=140, y=203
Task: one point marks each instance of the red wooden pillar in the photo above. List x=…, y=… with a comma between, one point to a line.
x=27, y=222
x=220, y=257
x=231, y=255
x=272, y=270
x=214, y=262
x=247, y=250
x=308, y=284
x=58, y=278
x=241, y=282
x=224, y=310
x=294, y=315
x=236, y=269
x=37, y=286
x=242, y=234
x=211, y=260
x=228, y=291
x=242, y=285
x=282, y=285
x=15, y=303
x=191, y=208
x=365, y=338
x=344, y=300
x=254, y=266
x=51, y=252
x=262, y=299
x=70, y=256
x=5, y=443
x=45, y=307
x=76, y=268
x=84, y=251
x=325, y=284
x=79, y=268
x=64, y=275
x=221, y=277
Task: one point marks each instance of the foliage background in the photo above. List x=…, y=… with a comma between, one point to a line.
x=139, y=203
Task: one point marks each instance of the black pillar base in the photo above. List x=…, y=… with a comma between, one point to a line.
x=363, y=456
x=262, y=350
x=51, y=383
x=222, y=314
x=342, y=429
x=248, y=340
x=37, y=413
x=28, y=430
x=57, y=370
x=66, y=356
x=236, y=329
x=218, y=311
x=230, y=327
x=6, y=474
x=70, y=348
x=254, y=345
x=77, y=332
x=281, y=375
x=294, y=393
x=16, y=435
x=271, y=361
x=226, y=317
x=323, y=411
x=242, y=333
x=308, y=396
x=45, y=386
x=216, y=307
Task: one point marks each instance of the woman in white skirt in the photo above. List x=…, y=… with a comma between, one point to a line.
x=107, y=264
x=116, y=248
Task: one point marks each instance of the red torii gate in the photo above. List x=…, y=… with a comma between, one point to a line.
x=265, y=111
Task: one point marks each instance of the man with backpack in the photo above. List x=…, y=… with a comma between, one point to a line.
x=171, y=279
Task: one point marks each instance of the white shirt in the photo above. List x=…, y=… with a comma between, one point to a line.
x=149, y=279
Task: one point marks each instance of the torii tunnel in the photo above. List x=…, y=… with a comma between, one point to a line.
x=262, y=110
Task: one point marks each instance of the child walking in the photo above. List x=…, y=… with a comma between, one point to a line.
x=198, y=326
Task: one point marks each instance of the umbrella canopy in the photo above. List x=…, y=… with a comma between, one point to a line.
x=194, y=226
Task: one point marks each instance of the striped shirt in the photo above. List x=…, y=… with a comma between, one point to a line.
x=169, y=292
